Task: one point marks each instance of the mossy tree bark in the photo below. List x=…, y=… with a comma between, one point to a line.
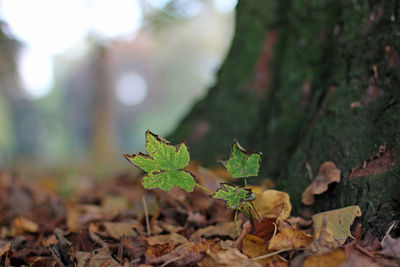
x=305, y=82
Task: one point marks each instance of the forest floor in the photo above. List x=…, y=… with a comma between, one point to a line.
x=115, y=222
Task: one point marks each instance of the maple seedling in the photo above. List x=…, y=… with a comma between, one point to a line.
x=164, y=167
x=239, y=165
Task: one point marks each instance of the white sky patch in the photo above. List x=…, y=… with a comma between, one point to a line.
x=36, y=73
x=131, y=89
x=51, y=27
x=225, y=6
x=116, y=18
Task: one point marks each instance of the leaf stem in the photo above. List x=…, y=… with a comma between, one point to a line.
x=245, y=182
x=244, y=212
x=251, y=205
x=204, y=189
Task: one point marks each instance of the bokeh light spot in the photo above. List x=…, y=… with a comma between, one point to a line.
x=131, y=89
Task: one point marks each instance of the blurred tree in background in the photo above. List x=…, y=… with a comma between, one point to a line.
x=305, y=82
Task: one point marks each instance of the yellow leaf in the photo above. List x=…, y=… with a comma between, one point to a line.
x=331, y=259
x=290, y=239
x=254, y=246
x=273, y=204
x=22, y=225
x=337, y=221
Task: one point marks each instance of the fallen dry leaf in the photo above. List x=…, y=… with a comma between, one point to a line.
x=324, y=240
x=100, y=258
x=290, y=239
x=358, y=260
x=188, y=253
x=80, y=215
x=273, y=204
x=117, y=230
x=162, y=239
x=223, y=230
x=328, y=173
x=22, y=225
x=254, y=246
x=377, y=164
x=4, y=248
x=160, y=249
x=265, y=228
x=338, y=221
x=331, y=259
x=231, y=257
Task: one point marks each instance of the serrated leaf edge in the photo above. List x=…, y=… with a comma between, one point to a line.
x=223, y=188
x=248, y=155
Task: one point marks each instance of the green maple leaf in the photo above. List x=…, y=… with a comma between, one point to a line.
x=163, y=164
x=233, y=195
x=241, y=164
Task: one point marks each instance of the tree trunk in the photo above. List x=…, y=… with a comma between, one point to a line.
x=306, y=82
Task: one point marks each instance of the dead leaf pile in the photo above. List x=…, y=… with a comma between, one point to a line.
x=117, y=223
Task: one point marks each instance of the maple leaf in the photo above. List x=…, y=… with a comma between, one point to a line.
x=163, y=164
x=240, y=164
x=233, y=195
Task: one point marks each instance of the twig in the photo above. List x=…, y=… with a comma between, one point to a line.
x=146, y=214
x=271, y=254
x=171, y=260
x=388, y=231
x=56, y=258
x=97, y=239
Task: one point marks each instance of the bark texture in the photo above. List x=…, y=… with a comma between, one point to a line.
x=309, y=81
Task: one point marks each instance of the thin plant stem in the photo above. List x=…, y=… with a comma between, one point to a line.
x=146, y=214
x=251, y=205
x=244, y=212
x=204, y=189
x=245, y=182
x=236, y=225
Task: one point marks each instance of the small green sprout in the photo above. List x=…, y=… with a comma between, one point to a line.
x=164, y=167
x=233, y=195
x=240, y=164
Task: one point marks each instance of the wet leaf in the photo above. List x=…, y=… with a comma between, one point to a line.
x=240, y=164
x=273, y=204
x=331, y=259
x=328, y=173
x=163, y=164
x=337, y=221
x=233, y=195
x=290, y=239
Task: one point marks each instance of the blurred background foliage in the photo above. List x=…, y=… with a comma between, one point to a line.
x=81, y=81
